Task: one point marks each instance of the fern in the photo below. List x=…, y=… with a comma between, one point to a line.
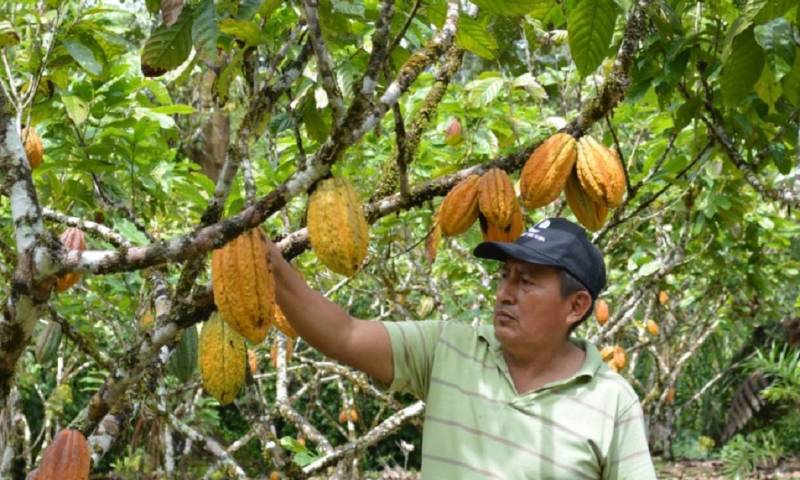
x=743, y=455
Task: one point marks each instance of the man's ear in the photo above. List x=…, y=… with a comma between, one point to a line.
x=579, y=303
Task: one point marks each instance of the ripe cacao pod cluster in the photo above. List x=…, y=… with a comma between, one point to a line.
x=590, y=174
x=34, y=149
x=67, y=458
x=337, y=227
x=72, y=239
x=489, y=198
x=244, y=289
x=615, y=357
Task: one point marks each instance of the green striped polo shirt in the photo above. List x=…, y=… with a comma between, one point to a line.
x=589, y=426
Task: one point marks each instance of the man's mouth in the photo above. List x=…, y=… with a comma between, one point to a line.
x=503, y=316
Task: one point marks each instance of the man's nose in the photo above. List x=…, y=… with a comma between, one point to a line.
x=506, y=291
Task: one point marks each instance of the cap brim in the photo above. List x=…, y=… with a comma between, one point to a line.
x=502, y=250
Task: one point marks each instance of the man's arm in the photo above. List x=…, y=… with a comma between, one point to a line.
x=327, y=327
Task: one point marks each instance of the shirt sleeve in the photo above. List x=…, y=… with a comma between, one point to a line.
x=413, y=351
x=629, y=455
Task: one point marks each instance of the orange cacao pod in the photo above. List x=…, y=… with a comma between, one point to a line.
x=244, y=290
x=493, y=233
x=34, y=149
x=67, y=458
x=252, y=361
x=663, y=297
x=72, y=239
x=432, y=241
x=652, y=328
x=459, y=209
x=282, y=323
x=496, y=197
x=546, y=171
x=601, y=311
x=607, y=353
x=353, y=414
x=337, y=227
x=670, y=396
x=619, y=359
x=600, y=172
x=589, y=213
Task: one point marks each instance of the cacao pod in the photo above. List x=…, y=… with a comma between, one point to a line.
x=459, y=209
x=453, y=134
x=496, y=198
x=607, y=353
x=273, y=352
x=34, y=149
x=343, y=415
x=670, y=396
x=619, y=359
x=222, y=357
x=67, y=458
x=147, y=320
x=493, y=233
x=601, y=311
x=663, y=297
x=353, y=414
x=274, y=475
x=47, y=343
x=183, y=361
x=600, y=172
x=589, y=213
x=337, y=227
x=72, y=239
x=652, y=328
x=244, y=290
x=252, y=361
x=282, y=323
x=546, y=171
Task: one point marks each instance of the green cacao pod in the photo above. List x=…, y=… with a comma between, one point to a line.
x=244, y=290
x=546, y=171
x=183, y=361
x=459, y=209
x=589, y=213
x=47, y=343
x=496, y=198
x=222, y=357
x=337, y=227
x=600, y=172
x=67, y=458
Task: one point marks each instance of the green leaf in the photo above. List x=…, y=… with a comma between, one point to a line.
x=768, y=89
x=776, y=38
x=349, y=8
x=268, y=7
x=168, y=47
x=8, y=36
x=686, y=113
x=130, y=232
x=177, y=108
x=204, y=29
x=514, y=8
x=476, y=38
x=244, y=30
x=484, y=90
x=530, y=84
x=742, y=69
x=780, y=158
x=248, y=8
x=766, y=10
x=791, y=81
x=77, y=108
x=590, y=26
x=84, y=56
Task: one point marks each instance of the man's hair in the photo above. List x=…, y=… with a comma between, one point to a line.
x=570, y=285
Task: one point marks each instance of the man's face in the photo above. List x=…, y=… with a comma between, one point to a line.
x=528, y=307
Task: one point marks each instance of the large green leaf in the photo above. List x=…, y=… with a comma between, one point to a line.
x=742, y=69
x=204, y=29
x=514, y=8
x=768, y=88
x=484, y=90
x=766, y=10
x=791, y=81
x=77, y=108
x=590, y=26
x=84, y=56
x=776, y=39
x=244, y=30
x=168, y=47
x=473, y=36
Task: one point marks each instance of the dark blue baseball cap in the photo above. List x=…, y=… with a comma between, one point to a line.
x=556, y=242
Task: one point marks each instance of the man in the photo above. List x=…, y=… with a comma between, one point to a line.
x=514, y=400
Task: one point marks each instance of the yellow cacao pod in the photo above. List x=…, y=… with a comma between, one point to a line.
x=337, y=227
x=652, y=328
x=601, y=311
x=589, y=213
x=600, y=172
x=607, y=353
x=459, y=209
x=496, y=198
x=244, y=290
x=252, y=361
x=619, y=359
x=222, y=357
x=34, y=149
x=663, y=297
x=493, y=233
x=432, y=241
x=546, y=171
x=282, y=323
x=353, y=414
x=72, y=239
